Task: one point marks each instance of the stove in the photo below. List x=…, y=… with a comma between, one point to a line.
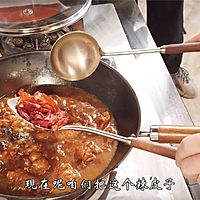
x=10, y=45
x=31, y=26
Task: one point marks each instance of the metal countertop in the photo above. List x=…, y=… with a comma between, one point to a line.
x=120, y=26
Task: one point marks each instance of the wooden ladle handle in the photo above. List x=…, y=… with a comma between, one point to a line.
x=181, y=48
x=153, y=147
x=175, y=134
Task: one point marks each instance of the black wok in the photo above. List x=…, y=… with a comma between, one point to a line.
x=33, y=71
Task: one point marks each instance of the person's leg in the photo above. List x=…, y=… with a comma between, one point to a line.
x=165, y=22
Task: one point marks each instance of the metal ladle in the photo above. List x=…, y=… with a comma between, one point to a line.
x=146, y=145
x=161, y=133
x=76, y=55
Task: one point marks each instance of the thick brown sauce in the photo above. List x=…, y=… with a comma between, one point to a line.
x=28, y=153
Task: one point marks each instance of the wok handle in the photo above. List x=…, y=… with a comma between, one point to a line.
x=153, y=147
x=173, y=134
x=181, y=48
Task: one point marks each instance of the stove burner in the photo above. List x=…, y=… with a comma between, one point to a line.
x=18, y=42
x=28, y=46
x=10, y=45
x=44, y=44
x=53, y=37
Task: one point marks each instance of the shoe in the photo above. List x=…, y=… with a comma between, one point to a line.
x=184, y=85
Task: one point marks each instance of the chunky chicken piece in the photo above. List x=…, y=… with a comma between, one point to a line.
x=31, y=147
x=10, y=159
x=38, y=164
x=44, y=136
x=87, y=152
x=104, y=120
x=86, y=114
x=67, y=135
x=17, y=180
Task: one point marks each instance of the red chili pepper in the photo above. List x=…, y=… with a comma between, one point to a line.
x=41, y=110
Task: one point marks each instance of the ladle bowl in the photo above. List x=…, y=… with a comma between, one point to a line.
x=76, y=55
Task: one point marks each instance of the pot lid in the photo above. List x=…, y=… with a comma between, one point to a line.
x=26, y=17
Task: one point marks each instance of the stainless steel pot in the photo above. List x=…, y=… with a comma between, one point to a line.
x=22, y=18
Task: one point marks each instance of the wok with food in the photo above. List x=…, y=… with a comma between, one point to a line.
x=30, y=153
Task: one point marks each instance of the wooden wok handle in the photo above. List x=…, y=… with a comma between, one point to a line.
x=153, y=147
x=181, y=48
x=174, y=134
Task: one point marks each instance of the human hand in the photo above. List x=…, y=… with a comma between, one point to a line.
x=194, y=38
x=188, y=157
